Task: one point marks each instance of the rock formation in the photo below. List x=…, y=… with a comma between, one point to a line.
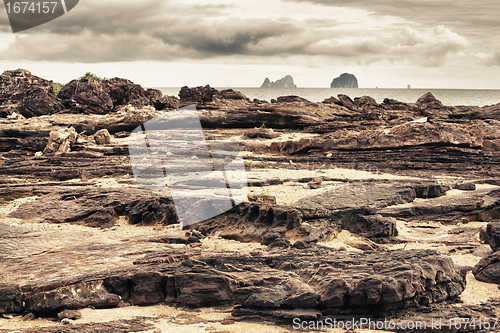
x=284, y=83
x=30, y=96
x=345, y=80
x=340, y=193
x=147, y=269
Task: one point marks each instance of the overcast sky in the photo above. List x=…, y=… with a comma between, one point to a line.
x=169, y=43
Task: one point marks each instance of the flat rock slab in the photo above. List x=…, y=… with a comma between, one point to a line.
x=125, y=325
x=479, y=205
x=50, y=272
x=94, y=207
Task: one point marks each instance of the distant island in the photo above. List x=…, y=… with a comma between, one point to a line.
x=345, y=80
x=286, y=82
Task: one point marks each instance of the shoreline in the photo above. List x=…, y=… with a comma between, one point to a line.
x=353, y=208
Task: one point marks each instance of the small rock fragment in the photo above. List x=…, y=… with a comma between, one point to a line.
x=102, y=137
x=315, y=183
x=28, y=317
x=262, y=198
x=66, y=321
x=69, y=314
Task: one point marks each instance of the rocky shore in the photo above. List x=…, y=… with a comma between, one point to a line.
x=354, y=209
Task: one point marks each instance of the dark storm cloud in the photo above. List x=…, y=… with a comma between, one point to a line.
x=108, y=31
x=467, y=17
x=477, y=21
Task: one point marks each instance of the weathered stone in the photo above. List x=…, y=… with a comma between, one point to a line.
x=493, y=235
x=365, y=100
x=11, y=298
x=249, y=222
x=197, y=95
x=125, y=92
x=22, y=92
x=93, y=95
x=112, y=326
x=488, y=269
x=144, y=272
x=347, y=102
x=102, y=137
x=431, y=191
x=315, y=183
x=161, y=102
x=28, y=317
x=69, y=314
x=331, y=100
x=75, y=296
x=262, y=133
x=202, y=287
x=428, y=101
x=147, y=288
x=231, y=94
x=466, y=187
x=87, y=95
x=262, y=198
x=371, y=225
x=96, y=208
x=61, y=141
x=38, y=102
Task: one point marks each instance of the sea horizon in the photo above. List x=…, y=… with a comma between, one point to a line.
x=449, y=97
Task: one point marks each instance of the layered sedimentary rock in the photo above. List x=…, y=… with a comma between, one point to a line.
x=145, y=270
x=396, y=167
x=31, y=96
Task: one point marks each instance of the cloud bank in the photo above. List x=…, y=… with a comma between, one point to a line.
x=417, y=33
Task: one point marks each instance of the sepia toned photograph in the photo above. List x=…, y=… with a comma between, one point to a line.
x=249, y=166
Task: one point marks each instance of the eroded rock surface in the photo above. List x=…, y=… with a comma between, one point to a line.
x=427, y=170
x=117, y=270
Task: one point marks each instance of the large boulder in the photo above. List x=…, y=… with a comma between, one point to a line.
x=125, y=92
x=198, y=94
x=37, y=102
x=488, y=269
x=428, y=101
x=161, y=102
x=88, y=95
x=22, y=92
x=371, y=225
x=493, y=235
x=92, y=95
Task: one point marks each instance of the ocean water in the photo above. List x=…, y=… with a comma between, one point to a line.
x=450, y=97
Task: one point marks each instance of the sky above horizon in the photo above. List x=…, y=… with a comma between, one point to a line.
x=224, y=43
